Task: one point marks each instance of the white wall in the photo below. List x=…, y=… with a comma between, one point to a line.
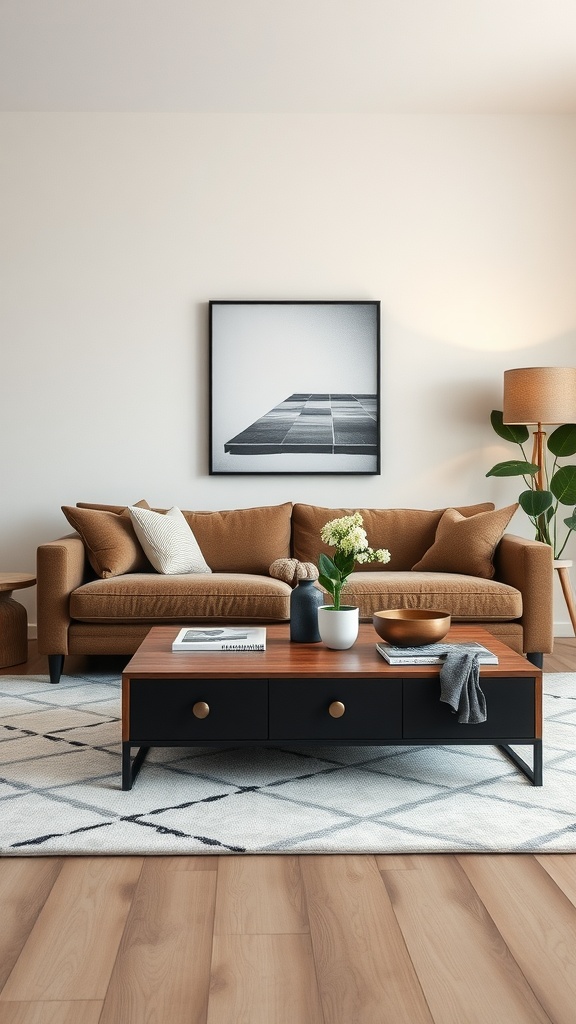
x=117, y=229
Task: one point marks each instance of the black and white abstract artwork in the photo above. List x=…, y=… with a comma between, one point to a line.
x=294, y=387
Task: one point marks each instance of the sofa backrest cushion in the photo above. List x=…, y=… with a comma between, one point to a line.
x=243, y=539
x=111, y=544
x=406, y=532
x=235, y=540
x=466, y=545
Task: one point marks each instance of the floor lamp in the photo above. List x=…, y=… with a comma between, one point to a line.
x=543, y=395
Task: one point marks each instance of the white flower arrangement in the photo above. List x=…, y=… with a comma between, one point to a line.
x=349, y=538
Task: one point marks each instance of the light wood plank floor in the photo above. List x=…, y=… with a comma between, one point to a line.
x=435, y=939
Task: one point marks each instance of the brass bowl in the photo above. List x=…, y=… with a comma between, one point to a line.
x=411, y=627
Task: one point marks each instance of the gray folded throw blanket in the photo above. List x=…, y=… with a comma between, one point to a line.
x=460, y=686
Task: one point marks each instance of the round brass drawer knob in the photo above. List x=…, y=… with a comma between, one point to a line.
x=201, y=709
x=336, y=709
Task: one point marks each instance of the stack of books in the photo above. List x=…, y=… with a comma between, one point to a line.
x=433, y=654
x=208, y=638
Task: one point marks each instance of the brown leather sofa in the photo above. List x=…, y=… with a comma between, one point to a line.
x=89, y=604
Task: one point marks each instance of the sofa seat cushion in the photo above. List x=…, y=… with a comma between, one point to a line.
x=467, y=598
x=183, y=597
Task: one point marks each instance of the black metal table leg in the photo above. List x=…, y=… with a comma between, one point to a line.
x=533, y=774
x=538, y=763
x=130, y=770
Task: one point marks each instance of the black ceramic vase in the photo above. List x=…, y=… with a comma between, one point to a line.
x=305, y=601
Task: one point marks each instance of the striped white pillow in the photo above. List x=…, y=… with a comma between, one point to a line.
x=168, y=541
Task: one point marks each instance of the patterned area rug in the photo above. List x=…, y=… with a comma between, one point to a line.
x=60, y=787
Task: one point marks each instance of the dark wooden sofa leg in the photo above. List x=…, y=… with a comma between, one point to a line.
x=536, y=659
x=55, y=666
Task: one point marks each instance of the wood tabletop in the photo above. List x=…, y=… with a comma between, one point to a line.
x=16, y=580
x=284, y=660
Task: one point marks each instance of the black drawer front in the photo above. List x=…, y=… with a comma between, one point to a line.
x=299, y=709
x=161, y=709
x=510, y=709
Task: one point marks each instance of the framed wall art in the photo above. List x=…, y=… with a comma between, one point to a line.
x=294, y=387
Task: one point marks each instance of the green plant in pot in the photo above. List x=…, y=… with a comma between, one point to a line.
x=348, y=536
x=338, y=623
x=549, y=484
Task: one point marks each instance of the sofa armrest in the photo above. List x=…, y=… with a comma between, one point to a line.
x=528, y=566
x=60, y=568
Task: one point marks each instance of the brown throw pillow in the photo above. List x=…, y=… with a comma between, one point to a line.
x=466, y=544
x=110, y=541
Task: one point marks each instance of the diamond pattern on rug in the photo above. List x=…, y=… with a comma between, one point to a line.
x=60, y=787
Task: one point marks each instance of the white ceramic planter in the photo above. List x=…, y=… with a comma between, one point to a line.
x=338, y=629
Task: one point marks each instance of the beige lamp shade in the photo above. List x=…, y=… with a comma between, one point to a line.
x=540, y=394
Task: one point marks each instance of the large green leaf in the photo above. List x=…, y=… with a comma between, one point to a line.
x=327, y=568
x=508, y=431
x=345, y=563
x=571, y=521
x=535, y=503
x=562, y=441
x=513, y=468
x=327, y=583
x=563, y=485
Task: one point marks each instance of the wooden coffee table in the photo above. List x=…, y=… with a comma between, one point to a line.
x=307, y=693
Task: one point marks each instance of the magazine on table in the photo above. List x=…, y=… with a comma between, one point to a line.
x=208, y=638
x=433, y=654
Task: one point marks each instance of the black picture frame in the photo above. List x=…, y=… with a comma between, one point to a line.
x=294, y=387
